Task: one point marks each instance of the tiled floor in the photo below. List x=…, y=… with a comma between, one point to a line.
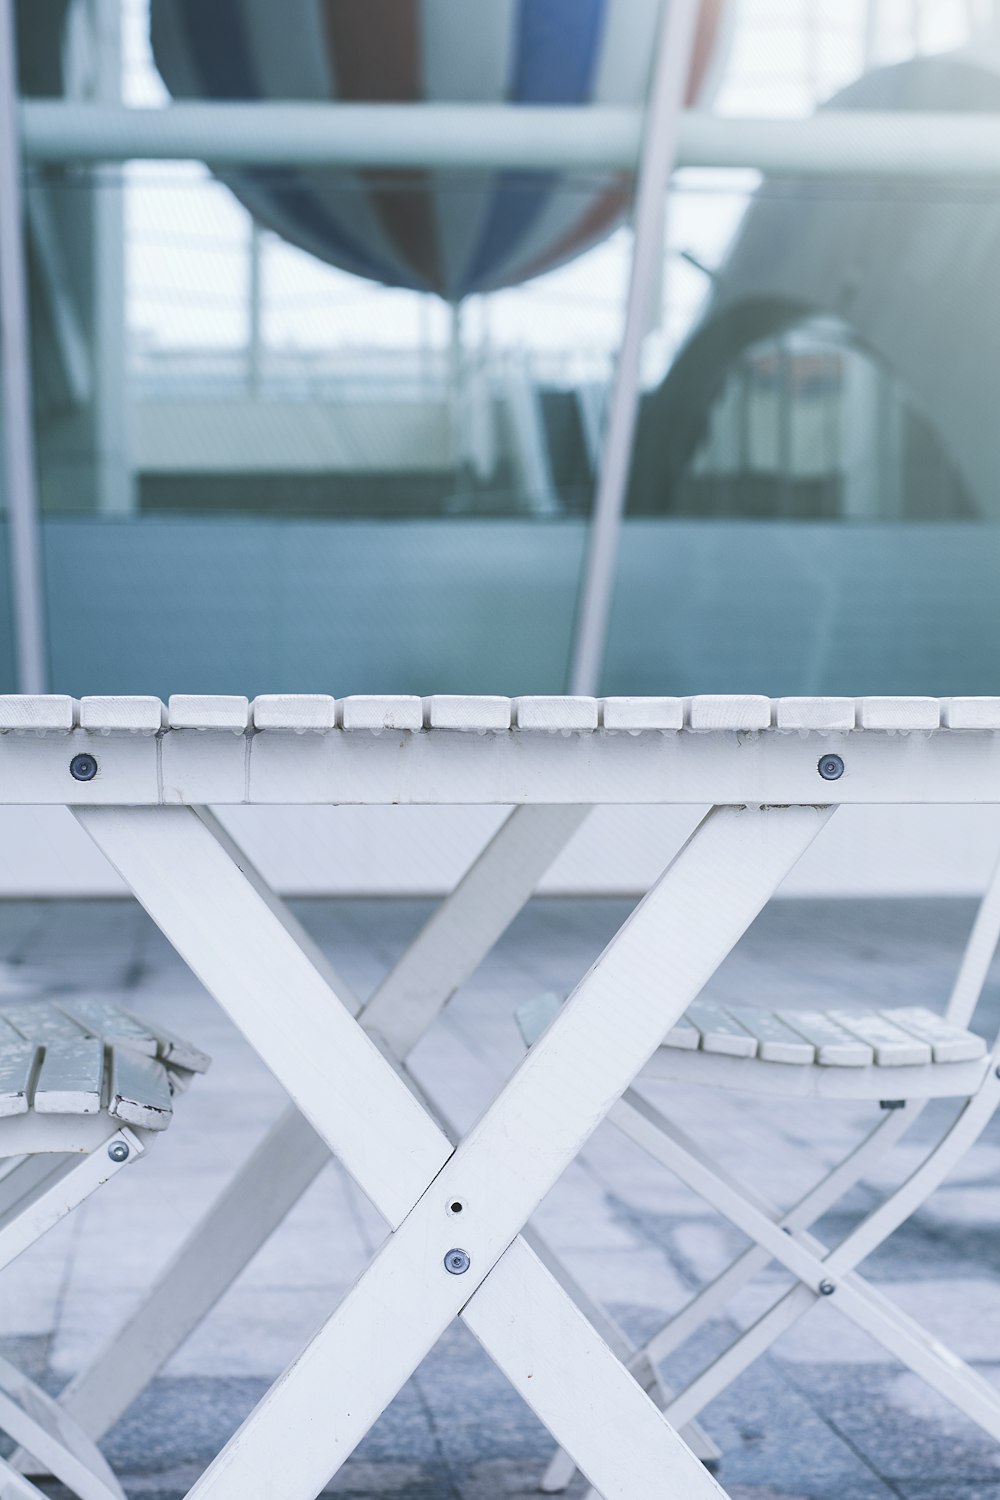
x=824, y=1417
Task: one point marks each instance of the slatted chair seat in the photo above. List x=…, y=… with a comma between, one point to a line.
x=908, y=1052
x=84, y=1088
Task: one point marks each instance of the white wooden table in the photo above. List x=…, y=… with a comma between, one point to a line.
x=139, y=779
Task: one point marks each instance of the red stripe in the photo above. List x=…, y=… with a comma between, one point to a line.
x=373, y=48
x=603, y=213
x=705, y=38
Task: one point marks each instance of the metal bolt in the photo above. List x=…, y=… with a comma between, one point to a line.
x=831, y=767
x=457, y=1262
x=118, y=1151
x=827, y=1288
x=83, y=767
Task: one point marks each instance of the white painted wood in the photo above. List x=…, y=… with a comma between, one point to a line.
x=254, y=1203
x=71, y=1077
x=64, y=1434
x=893, y=1047
x=636, y=714
x=208, y=711
x=752, y=1075
x=949, y=1043
x=586, y=1393
x=683, y=1035
x=520, y=1145
x=369, y=711
x=198, y=766
x=25, y=713
x=17, y=1067
x=496, y=767
x=242, y=952
x=978, y=955
x=831, y=714
x=50, y=1451
x=554, y=714
x=38, y=1021
x=899, y=713
x=122, y=715
x=835, y=1046
x=466, y=926
x=971, y=713
x=720, y=1032
x=456, y=711
x=729, y=711
x=295, y=712
x=776, y=1042
x=98, y=1018
x=59, y=1195
x=139, y=1091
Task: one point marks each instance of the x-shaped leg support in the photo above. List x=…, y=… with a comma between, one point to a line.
x=474, y=1198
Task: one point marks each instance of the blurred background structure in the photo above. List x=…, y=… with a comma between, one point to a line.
x=328, y=412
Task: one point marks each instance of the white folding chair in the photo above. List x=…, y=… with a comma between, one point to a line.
x=84, y=1087
x=899, y=1059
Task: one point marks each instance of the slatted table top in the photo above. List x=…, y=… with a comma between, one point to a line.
x=486, y=749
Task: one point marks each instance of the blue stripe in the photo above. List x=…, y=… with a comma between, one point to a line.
x=556, y=55
x=220, y=50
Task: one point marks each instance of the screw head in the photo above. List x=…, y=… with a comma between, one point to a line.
x=827, y=1288
x=83, y=767
x=830, y=767
x=457, y=1262
x=118, y=1151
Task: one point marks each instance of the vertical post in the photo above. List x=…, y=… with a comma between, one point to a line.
x=668, y=86
x=115, y=486
x=255, y=270
x=15, y=387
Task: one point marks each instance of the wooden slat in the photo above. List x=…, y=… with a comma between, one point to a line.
x=683, y=1035
x=554, y=714
x=208, y=711
x=97, y=1018
x=17, y=1066
x=950, y=1044
x=719, y=1032
x=971, y=713
x=477, y=714
x=140, y=1090
x=815, y=713
x=835, y=1047
x=41, y=1022
x=899, y=713
x=729, y=711
x=294, y=712
x=893, y=1047
x=71, y=1077
x=122, y=715
x=776, y=1041
x=113, y=1024
x=374, y=712
x=632, y=714
x=24, y=713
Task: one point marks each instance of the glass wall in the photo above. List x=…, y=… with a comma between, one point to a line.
x=261, y=472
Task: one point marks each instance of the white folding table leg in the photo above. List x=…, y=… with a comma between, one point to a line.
x=224, y=1241
x=291, y=1155
x=468, y=923
x=313, y=1417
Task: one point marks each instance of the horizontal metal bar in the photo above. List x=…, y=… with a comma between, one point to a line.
x=442, y=767
x=850, y=143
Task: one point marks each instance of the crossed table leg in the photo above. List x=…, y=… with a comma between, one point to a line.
x=439, y=1200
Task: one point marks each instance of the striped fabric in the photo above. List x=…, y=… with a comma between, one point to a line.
x=447, y=233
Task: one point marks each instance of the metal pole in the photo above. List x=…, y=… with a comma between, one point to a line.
x=832, y=143
x=255, y=268
x=24, y=553
x=671, y=67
